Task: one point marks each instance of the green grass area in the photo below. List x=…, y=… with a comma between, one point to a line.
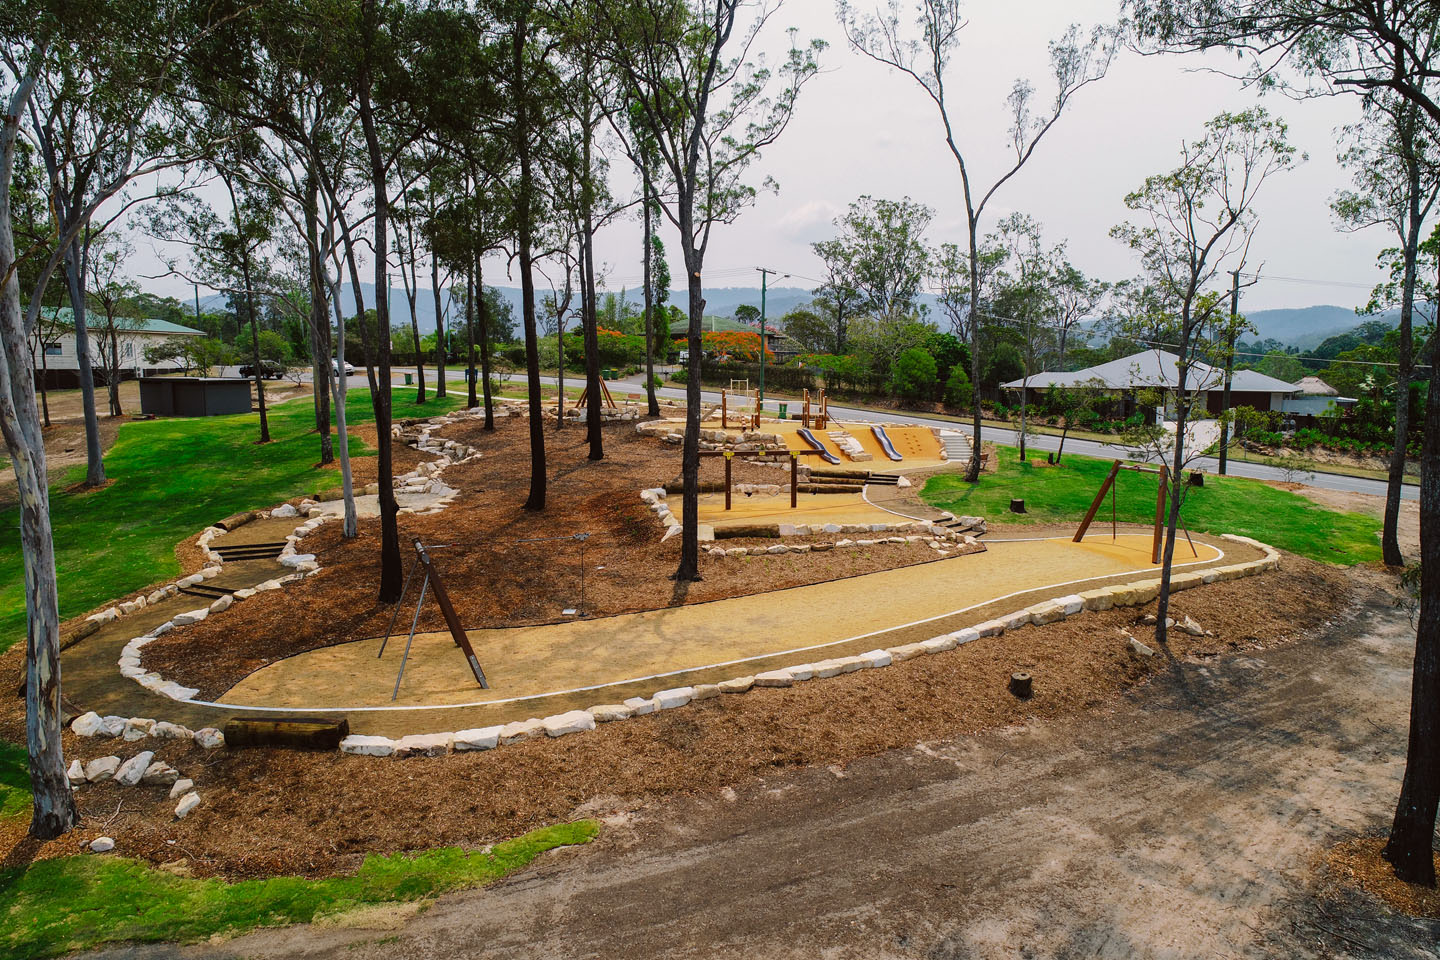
x=172, y=478
x=77, y=903
x=1224, y=505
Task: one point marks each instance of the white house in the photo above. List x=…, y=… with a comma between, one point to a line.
x=60, y=367
x=1159, y=370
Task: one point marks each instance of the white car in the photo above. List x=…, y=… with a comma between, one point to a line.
x=349, y=368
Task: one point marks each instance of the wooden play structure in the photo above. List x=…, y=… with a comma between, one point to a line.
x=794, y=456
x=820, y=418
x=1163, y=472
x=748, y=419
x=447, y=610
x=608, y=400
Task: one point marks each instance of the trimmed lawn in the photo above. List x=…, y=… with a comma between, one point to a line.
x=1224, y=505
x=170, y=479
x=77, y=903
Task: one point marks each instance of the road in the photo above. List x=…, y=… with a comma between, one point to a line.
x=1180, y=821
x=1041, y=442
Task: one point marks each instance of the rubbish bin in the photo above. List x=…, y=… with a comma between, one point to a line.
x=409, y=379
x=784, y=409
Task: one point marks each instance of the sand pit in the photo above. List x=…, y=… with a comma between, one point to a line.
x=535, y=671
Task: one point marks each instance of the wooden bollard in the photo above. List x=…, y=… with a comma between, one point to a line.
x=1021, y=685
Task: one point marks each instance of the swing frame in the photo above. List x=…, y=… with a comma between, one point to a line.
x=1161, y=494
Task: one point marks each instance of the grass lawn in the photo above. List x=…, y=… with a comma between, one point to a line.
x=77, y=903
x=1224, y=505
x=172, y=478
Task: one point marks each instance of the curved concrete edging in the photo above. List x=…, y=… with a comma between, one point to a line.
x=576, y=721
x=410, y=708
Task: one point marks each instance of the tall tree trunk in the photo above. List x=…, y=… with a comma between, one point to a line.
x=254, y=340
x=419, y=363
x=351, y=527
x=1412, y=833
x=440, y=344
x=53, y=808
x=972, y=472
x=1177, y=489
x=525, y=245
x=590, y=321
x=652, y=404
x=689, y=568
x=472, y=400
x=484, y=344
x=1395, y=482
x=75, y=282
x=391, y=572
x=114, y=378
x=319, y=324
x=44, y=385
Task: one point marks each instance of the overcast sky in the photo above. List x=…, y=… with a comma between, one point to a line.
x=861, y=128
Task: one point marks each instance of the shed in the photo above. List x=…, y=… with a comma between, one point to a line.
x=194, y=396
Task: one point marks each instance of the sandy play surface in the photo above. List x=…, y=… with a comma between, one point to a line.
x=535, y=671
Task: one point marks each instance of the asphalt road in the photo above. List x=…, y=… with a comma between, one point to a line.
x=1041, y=442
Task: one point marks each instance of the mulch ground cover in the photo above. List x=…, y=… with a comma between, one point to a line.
x=493, y=579
x=274, y=811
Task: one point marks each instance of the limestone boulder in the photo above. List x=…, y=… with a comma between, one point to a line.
x=101, y=769
x=133, y=769
x=187, y=805
x=572, y=721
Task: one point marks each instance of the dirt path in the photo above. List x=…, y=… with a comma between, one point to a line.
x=1180, y=823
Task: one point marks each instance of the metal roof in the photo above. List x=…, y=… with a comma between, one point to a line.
x=1152, y=369
x=131, y=325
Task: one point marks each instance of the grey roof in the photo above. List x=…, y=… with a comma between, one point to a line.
x=1152, y=368
x=1315, y=387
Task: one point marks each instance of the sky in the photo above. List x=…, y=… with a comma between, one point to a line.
x=861, y=128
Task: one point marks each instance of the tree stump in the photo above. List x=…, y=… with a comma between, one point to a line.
x=1020, y=685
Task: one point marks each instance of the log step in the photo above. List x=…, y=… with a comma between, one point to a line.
x=299, y=733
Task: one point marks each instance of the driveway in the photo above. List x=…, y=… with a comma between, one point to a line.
x=1179, y=821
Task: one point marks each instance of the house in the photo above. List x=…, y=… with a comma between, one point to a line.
x=1314, y=397
x=781, y=346
x=60, y=367
x=1159, y=370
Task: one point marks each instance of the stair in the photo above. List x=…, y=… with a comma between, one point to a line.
x=207, y=591
x=249, y=551
x=884, y=479
x=956, y=445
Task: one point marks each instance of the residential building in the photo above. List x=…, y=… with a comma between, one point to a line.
x=60, y=366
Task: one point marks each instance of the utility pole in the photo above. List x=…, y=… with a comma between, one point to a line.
x=1229, y=365
x=764, y=275
x=197, y=306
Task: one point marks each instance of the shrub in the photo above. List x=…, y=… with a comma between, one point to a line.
x=680, y=376
x=913, y=375
x=958, y=392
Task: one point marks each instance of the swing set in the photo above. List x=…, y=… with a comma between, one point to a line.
x=1160, y=498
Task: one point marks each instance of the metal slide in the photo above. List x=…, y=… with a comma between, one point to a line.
x=816, y=445
x=885, y=443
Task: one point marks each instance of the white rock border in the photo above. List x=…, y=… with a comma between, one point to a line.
x=1135, y=593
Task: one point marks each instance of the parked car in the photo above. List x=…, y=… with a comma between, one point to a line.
x=269, y=370
x=349, y=368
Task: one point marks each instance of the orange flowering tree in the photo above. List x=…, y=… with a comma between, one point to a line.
x=739, y=345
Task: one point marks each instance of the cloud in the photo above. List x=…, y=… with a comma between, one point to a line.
x=808, y=220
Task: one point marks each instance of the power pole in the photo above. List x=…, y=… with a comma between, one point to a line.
x=1229, y=365
x=764, y=275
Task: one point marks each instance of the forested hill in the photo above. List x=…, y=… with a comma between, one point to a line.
x=1302, y=327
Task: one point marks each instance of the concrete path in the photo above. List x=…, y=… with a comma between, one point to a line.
x=1180, y=823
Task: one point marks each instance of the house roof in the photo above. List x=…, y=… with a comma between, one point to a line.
x=1152, y=368
x=727, y=325
x=1315, y=387
x=151, y=325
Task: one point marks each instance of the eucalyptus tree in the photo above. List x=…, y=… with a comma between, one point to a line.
x=227, y=252
x=113, y=294
x=1188, y=224
x=1077, y=298
x=1022, y=298
x=1394, y=158
x=103, y=72
x=920, y=40
x=710, y=112
x=880, y=254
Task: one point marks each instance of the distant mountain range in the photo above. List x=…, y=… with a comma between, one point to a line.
x=1302, y=327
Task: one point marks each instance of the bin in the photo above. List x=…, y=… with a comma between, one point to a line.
x=409, y=379
x=784, y=409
